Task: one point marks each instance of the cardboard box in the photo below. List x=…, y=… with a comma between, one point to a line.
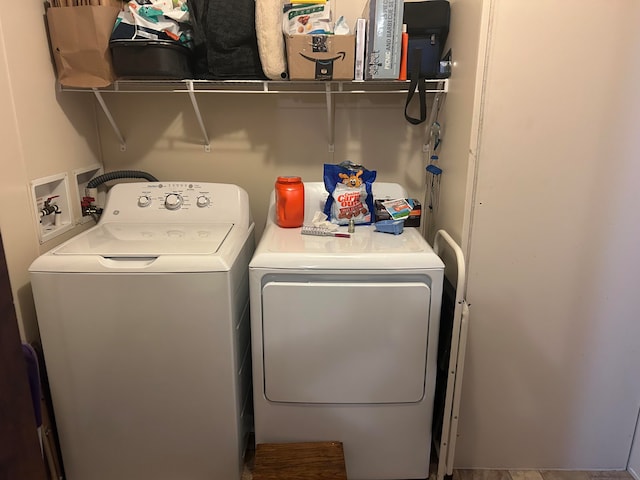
x=413, y=220
x=320, y=57
x=384, y=38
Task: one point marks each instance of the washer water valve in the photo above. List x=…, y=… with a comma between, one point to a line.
x=48, y=208
x=87, y=205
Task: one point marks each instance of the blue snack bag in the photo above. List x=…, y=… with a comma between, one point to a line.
x=350, y=197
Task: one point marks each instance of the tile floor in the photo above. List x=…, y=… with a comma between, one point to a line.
x=518, y=475
x=465, y=474
x=540, y=475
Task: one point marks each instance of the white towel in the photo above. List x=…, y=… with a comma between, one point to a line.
x=270, y=39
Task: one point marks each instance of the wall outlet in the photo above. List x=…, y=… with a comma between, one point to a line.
x=82, y=177
x=50, y=197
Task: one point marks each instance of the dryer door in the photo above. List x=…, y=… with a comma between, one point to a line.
x=345, y=342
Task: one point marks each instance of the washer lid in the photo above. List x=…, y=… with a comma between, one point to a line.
x=148, y=239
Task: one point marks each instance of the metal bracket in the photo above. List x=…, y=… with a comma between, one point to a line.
x=116, y=130
x=196, y=109
x=105, y=109
x=331, y=120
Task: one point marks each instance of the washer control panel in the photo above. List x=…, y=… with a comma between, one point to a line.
x=175, y=196
x=176, y=202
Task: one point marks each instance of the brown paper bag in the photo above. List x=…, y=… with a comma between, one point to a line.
x=80, y=43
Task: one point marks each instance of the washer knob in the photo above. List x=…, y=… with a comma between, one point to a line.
x=202, y=201
x=144, y=200
x=173, y=201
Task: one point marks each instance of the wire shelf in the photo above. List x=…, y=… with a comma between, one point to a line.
x=260, y=86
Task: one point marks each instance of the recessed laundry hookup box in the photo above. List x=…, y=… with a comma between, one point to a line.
x=320, y=57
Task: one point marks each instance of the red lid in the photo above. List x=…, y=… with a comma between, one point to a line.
x=289, y=179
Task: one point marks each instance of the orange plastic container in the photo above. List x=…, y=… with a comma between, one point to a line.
x=289, y=202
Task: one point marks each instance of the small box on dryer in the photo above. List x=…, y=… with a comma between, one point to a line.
x=413, y=220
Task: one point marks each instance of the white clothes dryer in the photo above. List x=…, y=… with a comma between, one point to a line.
x=145, y=328
x=344, y=341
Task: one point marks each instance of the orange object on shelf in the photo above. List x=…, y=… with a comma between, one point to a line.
x=404, y=53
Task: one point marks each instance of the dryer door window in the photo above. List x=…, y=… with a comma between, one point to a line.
x=345, y=342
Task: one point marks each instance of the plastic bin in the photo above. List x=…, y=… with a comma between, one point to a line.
x=390, y=226
x=151, y=59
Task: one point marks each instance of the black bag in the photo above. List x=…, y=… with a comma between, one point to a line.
x=428, y=27
x=225, y=40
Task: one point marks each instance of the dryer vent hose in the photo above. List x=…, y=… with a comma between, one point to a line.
x=118, y=174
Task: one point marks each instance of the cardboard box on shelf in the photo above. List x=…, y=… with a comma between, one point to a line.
x=320, y=57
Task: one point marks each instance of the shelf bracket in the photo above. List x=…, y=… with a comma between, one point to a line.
x=105, y=109
x=196, y=109
x=331, y=123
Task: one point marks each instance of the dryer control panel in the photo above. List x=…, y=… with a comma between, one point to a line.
x=176, y=202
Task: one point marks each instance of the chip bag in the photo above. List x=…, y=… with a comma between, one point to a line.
x=350, y=197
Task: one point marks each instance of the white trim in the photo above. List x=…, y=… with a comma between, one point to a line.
x=634, y=453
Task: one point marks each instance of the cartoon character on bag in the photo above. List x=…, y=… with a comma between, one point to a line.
x=351, y=180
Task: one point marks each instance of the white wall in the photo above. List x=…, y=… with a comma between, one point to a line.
x=41, y=134
x=550, y=379
x=18, y=232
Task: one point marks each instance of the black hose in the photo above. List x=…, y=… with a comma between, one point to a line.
x=99, y=180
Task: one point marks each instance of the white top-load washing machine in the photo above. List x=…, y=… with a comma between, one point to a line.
x=344, y=340
x=144, y=321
